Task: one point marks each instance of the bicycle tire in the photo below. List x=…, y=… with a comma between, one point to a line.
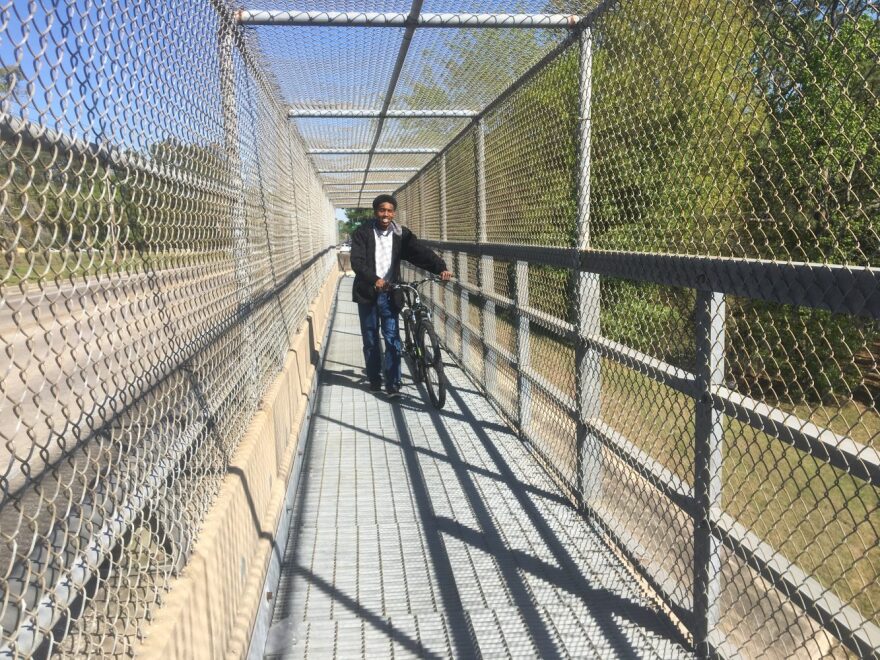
x=413, y=350
x=432, y=364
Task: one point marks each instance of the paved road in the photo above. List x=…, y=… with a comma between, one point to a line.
x=72, y=355
x=81, y=357
x=436, y=534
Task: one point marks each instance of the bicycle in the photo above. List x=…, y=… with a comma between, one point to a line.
x=420, y=340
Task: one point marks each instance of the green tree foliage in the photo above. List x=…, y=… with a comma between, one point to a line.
x=171, y=217
x=813, y=172
x=745, y=129
x=69, y=208
x=354, y=219
x=670, y=113
x=813, y=192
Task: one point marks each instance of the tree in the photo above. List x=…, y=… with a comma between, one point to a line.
x=355, y=218
x=812, y=174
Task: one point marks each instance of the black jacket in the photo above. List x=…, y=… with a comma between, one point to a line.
x=363, y=259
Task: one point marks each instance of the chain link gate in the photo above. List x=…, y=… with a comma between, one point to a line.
x=667, y=244
x=163, y=234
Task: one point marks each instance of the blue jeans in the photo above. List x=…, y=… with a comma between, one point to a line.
x=385, y=313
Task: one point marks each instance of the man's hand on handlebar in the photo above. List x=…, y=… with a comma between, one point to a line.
x=384, y=285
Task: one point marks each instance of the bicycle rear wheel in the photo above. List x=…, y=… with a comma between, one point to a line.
x=432, y=364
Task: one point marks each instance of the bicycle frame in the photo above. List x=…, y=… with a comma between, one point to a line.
x=413, y=311
x=427, y=363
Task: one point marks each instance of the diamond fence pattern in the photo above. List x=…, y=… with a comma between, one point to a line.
x=163, y=233
x=667, y=250
x=665, y=226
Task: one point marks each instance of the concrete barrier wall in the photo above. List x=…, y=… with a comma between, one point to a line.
x=211, y=609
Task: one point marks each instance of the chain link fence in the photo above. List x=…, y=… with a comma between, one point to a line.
x=667, y=239
x=163, y=233
x=667, y=243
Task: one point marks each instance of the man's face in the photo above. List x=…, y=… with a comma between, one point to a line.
x=385, y=214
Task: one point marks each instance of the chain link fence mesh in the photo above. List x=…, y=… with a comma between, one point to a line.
x=163, y=233
x=681, y=319
x=726, y=438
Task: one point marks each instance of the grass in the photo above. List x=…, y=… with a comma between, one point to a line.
x=817, y=516
x=53, y=265
x=47, y=265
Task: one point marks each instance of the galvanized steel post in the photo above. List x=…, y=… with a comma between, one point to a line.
x=448, y=255
x=588, y=377
x=523, y=349
x=401, y=20
x=487, y=264
x=240, y=239
x=464, y=311
x=710, y=316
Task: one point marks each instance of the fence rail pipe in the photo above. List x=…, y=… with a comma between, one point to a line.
x=364, y=152
x=804, y=283
x=280, y=17
x=341, y=113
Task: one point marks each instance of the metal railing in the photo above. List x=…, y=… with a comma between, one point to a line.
x=712, y=405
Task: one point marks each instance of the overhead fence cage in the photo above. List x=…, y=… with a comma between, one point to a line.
x=664, y=223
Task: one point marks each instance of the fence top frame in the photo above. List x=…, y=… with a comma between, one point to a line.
x=294, y=17
x=410, y=21
x=354, y=113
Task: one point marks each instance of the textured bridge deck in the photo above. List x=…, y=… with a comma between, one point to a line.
x=420, y=533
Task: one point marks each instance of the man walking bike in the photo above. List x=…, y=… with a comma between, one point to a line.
x=376, y=250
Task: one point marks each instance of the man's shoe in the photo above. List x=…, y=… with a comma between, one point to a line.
x=393, y=391
x=376, y=386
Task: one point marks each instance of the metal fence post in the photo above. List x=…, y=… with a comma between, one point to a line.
x=464, y=310
x=588, y=376
x=709, y=430
x=487, y=264
x=523, y=350
x=419, y=223
x=240, y=239
x=448, y=255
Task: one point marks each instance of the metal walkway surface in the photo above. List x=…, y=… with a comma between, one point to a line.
x=423, y=533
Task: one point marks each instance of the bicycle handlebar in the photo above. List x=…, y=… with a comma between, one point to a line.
x=412, y=285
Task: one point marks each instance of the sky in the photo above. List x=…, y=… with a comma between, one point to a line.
x=113, y=71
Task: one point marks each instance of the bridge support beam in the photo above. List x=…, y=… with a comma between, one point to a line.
x=358, y=185
x=366, y=152
x=362, y=170
x=334, y=113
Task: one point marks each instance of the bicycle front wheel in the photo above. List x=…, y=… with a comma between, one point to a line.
x=412, y=349
x=432, y=364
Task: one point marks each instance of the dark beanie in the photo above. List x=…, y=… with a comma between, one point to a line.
x=382, y=199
